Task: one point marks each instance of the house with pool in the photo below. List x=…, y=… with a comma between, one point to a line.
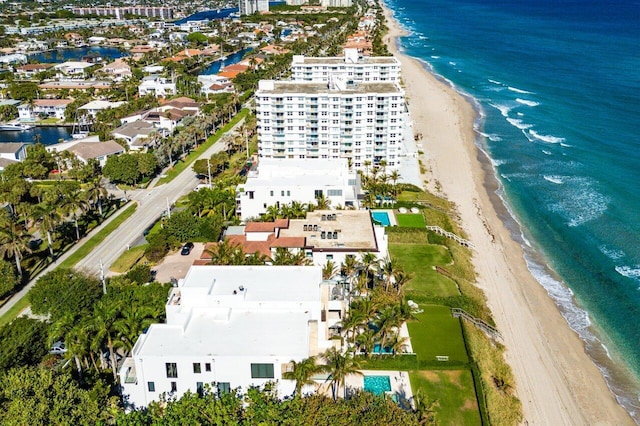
x=323, y=235
x=233, y=326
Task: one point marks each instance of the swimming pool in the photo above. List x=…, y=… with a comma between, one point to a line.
x=377, y=385
x=378, y=349
x=381, y=217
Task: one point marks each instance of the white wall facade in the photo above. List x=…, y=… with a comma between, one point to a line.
x=157, y=86
x=226, y=318
x=363, y=122
x=280, y=182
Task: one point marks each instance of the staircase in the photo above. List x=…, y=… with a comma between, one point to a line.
x=451, y=235
x=491, y=331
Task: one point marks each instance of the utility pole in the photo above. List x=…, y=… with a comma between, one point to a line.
x=246, y=142
x=168, y=209
x=104, y=284
x=209, y=171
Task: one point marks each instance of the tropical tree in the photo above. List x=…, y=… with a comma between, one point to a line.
x=74, y=204
x=102, y=327
x=95, y=193
x=329, y=270
x=48, y=218
x=224, y=253
x=302, y=372
x=14, y=240
x=283, y=256
x=323, y=203
x=339, y=366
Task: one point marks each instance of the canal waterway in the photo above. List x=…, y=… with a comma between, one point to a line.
x=44, y=135
x=233, y=58
x=77, y=53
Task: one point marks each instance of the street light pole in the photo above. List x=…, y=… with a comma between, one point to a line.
x=104, y=284
x=209, y=171
x=168, y=209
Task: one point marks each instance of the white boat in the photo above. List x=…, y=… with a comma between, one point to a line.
x=14, y=127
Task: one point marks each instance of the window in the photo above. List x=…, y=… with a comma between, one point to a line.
x=200, y=388
x=317, y=193
x=172, y=370
x=250, y=195
x=334, y=192
x=151, y=386
x=196, y=368
x=288, y=193
x=271, y=193
x=282, y=192
x=329, y=257
x=224, y=387
x=174, y=387
x=207, y=366
x=262, y=371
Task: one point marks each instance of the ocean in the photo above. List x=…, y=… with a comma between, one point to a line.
x=556, y=84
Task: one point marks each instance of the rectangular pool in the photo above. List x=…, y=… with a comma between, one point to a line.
x=381, y=217
x=377, y=384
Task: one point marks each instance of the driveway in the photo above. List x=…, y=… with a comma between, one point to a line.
x=175, y=265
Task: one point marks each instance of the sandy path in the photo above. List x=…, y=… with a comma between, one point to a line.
x=555, y=379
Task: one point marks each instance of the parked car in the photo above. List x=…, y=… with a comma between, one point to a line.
x=58, y=348
x=186, y=249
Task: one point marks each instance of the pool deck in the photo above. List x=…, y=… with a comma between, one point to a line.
x=400, y=385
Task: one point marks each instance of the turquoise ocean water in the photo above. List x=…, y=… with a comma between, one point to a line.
x=556, y=84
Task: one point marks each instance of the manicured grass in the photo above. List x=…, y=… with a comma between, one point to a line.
x=14, y=311
x=419, y=260
x=86, y=248
x=128, y=259
x=454, y=391
x=410, y=220
x=193, y=155
x=435, y=332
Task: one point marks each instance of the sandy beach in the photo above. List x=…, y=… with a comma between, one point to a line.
x=555, y=379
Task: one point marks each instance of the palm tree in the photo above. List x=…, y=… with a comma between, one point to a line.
x=386, y=322
x=95, y=193
x=48, y=218
x=388, y=267
x=72, y=203
x=102, y=326
x=13, y=239
x=394, y=177
x=367, y=260
x=323, y=203
x=366, y=341
x=400, y=278
x=339, y=366
x=329, y=270
x=224, y=253
x=285, y=257
x=350, y=325
x=302, y=372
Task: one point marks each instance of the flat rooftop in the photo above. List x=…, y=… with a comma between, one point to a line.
x=282, y=87
x=299, y=172
x=211, y=333
x=341, y=61
x=354, y=227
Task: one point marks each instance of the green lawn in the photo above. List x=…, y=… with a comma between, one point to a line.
x=419, y=260
x=454, y=391
x=436, y=333
x=410, y=220
x=128, y=259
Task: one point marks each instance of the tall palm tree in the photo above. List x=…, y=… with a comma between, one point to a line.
x=95, y=192
x=73, y=202
x=400, y=278
x=105, y=315
x=367, y=260
x=366, y=341
x=283, y=256
x=339, y=366
x=386, y=322
x=48, y=217
x=394, y=177
x=323, y=203
x=388, y=266
x=353, y=321
x=329, y=270
x=131, y=323
x=14, y=240
x=302, y=372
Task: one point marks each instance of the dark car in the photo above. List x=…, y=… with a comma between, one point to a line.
x=186, y=249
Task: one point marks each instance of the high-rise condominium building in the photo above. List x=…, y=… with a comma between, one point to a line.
x=248, y=7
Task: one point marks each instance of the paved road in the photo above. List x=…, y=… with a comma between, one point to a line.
x=151, y=204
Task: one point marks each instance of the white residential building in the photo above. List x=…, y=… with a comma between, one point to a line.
x=351, y=66
x=230, y=327
x=281, y=181
x=93, y=107
x=73, y=68
x=363, y=122
x=336, y=3
x=249, y=7
x=12, y=152
x=48, y=108
x=156, y=85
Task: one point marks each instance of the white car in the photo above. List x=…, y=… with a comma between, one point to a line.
x=58, y=348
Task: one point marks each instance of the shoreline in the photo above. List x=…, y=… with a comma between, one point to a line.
x=556, y=380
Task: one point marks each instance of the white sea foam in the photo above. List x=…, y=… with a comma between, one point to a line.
x=452, y=63
x=566, y=145
x=435, y=57
x=527, y=102
x=515, y=89
x=554, y=179
x=496, y=82
x=504, y=109
x=611, y=253
x=520, y=114
x=629, y=272
x=491, y=137
x=499, y=162
x=546, y=152
x=516, y=122
x=578, y=201
x=546, y=138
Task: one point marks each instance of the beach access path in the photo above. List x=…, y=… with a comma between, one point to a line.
x=556, y=381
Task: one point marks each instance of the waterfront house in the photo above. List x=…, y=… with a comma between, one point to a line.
x=323, y=235
x=76, y=85
x=73, y=69
x=118, y=70
x=281, y=181
x=233, y=327
x=214, y=84
x=100, y=151
x=30, y=70
x=47, y=108
x=93, y=107
x=136, y=134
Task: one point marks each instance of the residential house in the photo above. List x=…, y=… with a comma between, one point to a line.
x=156, y=85
x=99, y=151
x=76, y=85
x=12, y=152
x=93, y=107
x=281, y=181
x=118, y=70
x=73, y=68
x=234, y=327
x=30, y=70
x=136, y=134
x=323, y=235
x=214, y=84
x=48, y=108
